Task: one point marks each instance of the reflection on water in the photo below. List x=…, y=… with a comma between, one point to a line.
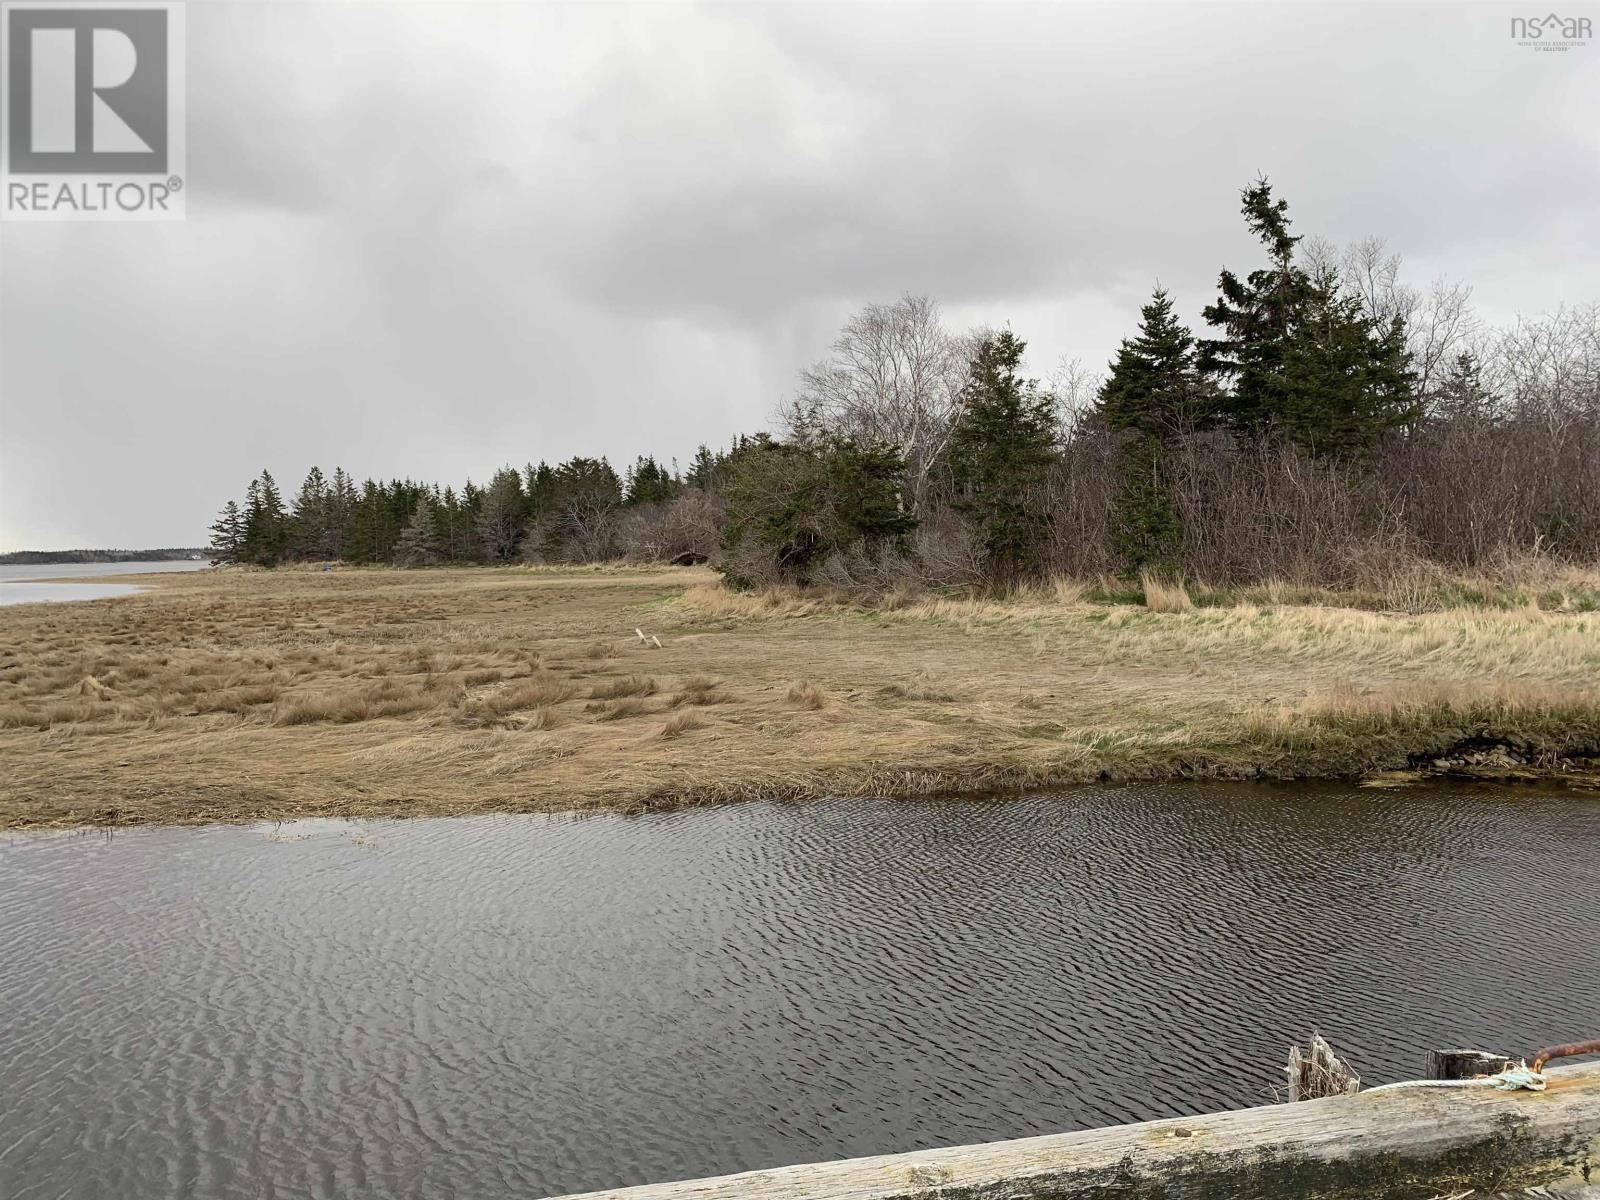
x=499, y=1006
x=55, y=593
x=15, y=588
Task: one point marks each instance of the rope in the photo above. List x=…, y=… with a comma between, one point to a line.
x=1512, y=1079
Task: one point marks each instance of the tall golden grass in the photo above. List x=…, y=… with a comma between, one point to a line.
x=1164, y=595
x=269, y=694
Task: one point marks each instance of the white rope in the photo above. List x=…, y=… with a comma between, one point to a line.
x=1512, y=1079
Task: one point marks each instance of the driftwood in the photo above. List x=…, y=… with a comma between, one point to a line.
x=1380, y=1146
x=1319, y=1073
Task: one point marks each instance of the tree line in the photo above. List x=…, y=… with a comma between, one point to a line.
x=1327, y=423
x=162, y=554
x=572, y=512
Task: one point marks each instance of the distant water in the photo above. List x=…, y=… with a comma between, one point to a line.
x=15, y=590
x=516, y=1006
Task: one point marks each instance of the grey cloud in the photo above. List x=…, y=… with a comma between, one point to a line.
x=428, y=239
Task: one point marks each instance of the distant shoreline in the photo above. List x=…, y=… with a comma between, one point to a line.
x=48, y=557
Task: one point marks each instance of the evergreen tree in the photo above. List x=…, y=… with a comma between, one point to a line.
x=1154, y=387
x=705, y=471
x=775, y=511
x=339, y=513
x=1303, y=362
x=227, y=534
x=577, y=516
x=1257, y=317
x=1347, y=381
x=455, y=527
x=1461, y=393
x=999, y=454
x=792, y=505
x=1153, y=393
x=504, y=515
x=1148, y=533
x=868, y=486
x=263, y=537
x=309, y=517
x=421, y=543
x=591, y=478
x=471, y=506
x=541, y=489
x=373, y=527
x=648, y=482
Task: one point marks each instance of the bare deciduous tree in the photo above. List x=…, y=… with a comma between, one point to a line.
x=894, y=379
x=1549, y=363
x=1440, y=322
x=1077, y=390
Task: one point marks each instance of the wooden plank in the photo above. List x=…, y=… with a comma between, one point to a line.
x=1410, y=1143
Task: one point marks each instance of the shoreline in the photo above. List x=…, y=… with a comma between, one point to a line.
x=907, y=785
x=227, y=697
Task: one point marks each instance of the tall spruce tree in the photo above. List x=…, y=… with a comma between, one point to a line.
x=1154, y=386
x=1301, y=361
x=541, y=489
x=648, y=482
x=421, y=543
x=1154, y=393
x=227, y=534
x=308, y=531
x=868, y=493
x=1461, y=394
x=340, y=512
x=1347, y=378
x=373, y=525
x=455, y=529
x=263, y=539
x=1148, y=535
x=504, y=515
x=999, y=454
x=705, y=469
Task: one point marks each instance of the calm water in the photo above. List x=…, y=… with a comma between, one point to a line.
x=505, y=1006
x=15, y=587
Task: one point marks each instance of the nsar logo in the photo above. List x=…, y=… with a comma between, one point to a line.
x=1551, y=32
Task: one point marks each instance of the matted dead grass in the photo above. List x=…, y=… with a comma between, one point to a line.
x=245, y=694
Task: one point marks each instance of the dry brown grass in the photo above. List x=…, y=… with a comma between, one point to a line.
x=1458, y=701
x=699, y=691
x=617, y=710
x=253, y=694
x=391, y=696
x=542, y=690
x=682, y=722
x=632, y=685
x=1164, y=595
x=807, y=695
x=924, y=687
x=548, y=717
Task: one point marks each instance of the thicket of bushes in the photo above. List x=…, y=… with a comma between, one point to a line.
x=1335, y=427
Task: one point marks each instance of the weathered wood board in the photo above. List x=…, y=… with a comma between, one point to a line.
x=1408, y=1143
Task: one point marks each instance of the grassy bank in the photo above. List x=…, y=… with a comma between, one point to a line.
x=377, y=692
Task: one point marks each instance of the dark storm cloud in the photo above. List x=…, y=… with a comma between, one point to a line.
x=428, y=239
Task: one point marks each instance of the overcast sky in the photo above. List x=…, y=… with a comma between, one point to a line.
x=427, y=239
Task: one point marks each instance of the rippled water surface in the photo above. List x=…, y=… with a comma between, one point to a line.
x=488, y=1007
